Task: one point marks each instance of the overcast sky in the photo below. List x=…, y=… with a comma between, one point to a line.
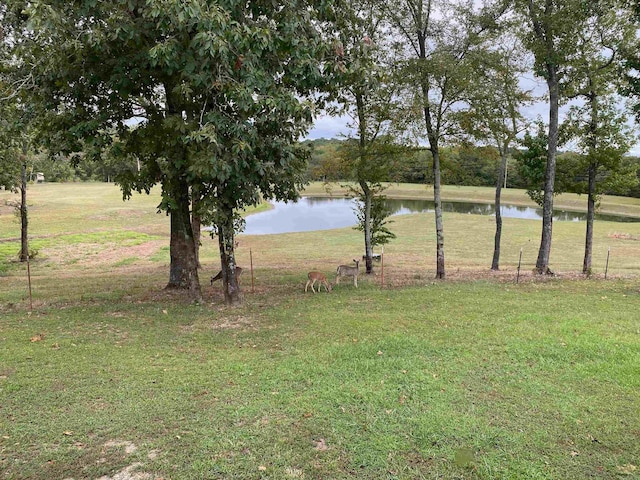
x=335, y=127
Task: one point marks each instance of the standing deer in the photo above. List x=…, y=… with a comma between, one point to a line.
x=219, y=275
x=348, y=271
x=317, y=277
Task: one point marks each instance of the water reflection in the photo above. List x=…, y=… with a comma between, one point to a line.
x=321, y=213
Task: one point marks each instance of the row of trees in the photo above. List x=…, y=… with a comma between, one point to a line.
x=451, y=71
x=209, y=100
x=474, y=165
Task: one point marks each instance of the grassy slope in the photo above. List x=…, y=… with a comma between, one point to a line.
x=459, y=379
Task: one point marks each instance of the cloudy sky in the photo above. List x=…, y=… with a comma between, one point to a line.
x=335, y=127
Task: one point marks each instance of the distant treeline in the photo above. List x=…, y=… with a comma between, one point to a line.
x=461, y=165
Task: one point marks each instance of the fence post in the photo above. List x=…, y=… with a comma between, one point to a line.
x=519, y=263
x=382, y=268
x=251, y=260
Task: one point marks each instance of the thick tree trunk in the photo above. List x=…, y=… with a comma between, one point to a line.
x=232, y=294
x=196, y=226
x=183, y=269
x=542, y=264
x=24, y=218
x=495, y=264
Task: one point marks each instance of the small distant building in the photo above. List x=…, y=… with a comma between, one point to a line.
x=39, y=177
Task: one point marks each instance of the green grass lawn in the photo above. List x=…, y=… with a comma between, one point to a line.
x=110, y=377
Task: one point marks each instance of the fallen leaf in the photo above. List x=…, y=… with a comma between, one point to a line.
x=574, y=453
x=37, y=338
x=67, y=433
x=379, y=352
x=262, y=468
x=321, y=445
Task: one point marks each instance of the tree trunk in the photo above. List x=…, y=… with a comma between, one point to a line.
x=437, y=200
x=232, y=294
x=183, y=270
x=591, y=210
x=495, y=264
x=196, y=225
x=368, y=243
x=432, y=135
x=542, y=264
x=367, y=194
x=24, y=218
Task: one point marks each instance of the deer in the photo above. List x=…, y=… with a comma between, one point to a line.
x=219, y=275
x=317, y=277
x=348, y=271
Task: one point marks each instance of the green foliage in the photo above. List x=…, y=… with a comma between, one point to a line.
x=380, y=234
x=470, y=165
x=532, y=163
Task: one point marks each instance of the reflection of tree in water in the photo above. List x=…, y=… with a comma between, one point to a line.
x=324, y=200
x=406, y=206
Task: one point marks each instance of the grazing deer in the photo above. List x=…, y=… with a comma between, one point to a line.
x=348, y=271
x=317, y=277
x=219, y=275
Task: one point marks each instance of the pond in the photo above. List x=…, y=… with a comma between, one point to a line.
x=322, y=213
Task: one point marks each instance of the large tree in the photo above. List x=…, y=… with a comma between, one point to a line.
x=495, y=117
x=368, y=96
x=549, y=30
x=208, y=97
x=598, y=124
x=15, y=128
x=437, y=39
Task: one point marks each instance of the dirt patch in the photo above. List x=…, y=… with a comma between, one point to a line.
x=624, y=236
x=129, y=447
x=233, y=323
x=129, y=473
x=113, y=254
x=103, y=254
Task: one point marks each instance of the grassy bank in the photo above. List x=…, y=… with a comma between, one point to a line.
x=476, y=377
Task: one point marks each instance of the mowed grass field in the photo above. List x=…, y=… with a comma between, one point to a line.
x=475, y=377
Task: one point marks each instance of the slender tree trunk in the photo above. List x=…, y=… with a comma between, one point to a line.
x=437, y=200
x=542, y=264
x=432, y=135
x=367, y=194
x=183, y=269
x=591, y=210
x=368, y=240
x=495, y=264
x=24, y=218
x=232, y=294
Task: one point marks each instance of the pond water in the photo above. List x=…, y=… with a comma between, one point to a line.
x=322, y=213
